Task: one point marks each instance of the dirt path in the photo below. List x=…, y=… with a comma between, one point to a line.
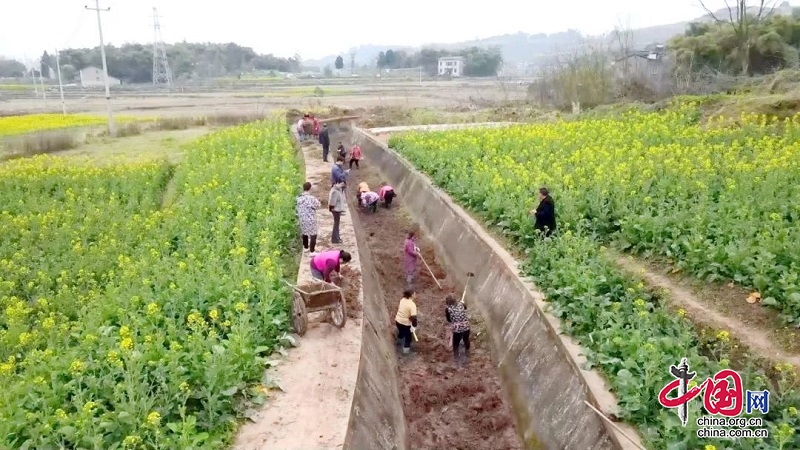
x=445, y=406
x=319, y=376
x=748, y=323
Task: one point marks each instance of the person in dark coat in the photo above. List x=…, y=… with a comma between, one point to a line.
x=325, y=140
x=545, y=213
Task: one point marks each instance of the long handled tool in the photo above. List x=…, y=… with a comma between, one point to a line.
x=428, y=267
x=464, y=294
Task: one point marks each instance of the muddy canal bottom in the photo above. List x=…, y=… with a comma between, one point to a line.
x=445, y=406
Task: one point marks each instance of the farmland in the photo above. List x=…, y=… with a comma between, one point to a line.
x=13, y=125
x=134, y=318
x=719, y=200
x=137, y=296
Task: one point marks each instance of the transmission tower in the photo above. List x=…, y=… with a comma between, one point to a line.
x=161, y=72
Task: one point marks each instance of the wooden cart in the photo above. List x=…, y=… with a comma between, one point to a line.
x=315, y=296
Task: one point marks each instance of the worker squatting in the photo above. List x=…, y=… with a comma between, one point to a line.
x=327, y=264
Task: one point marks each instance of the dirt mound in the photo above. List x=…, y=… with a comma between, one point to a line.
x=352, y=286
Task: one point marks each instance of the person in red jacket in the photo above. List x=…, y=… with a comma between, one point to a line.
x=324, y=264
x=316, y=127
x=355, y=156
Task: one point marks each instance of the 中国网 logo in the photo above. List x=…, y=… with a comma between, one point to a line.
x=723, y=393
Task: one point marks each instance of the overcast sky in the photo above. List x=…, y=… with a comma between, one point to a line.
x=28, y=27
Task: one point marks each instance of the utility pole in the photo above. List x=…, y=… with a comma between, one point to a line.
x=41, y=82
x=161, y=71
x=111, y=129
x=60, y=85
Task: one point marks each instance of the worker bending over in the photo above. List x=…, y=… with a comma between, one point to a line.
x=324, y=264
x=386, y=194
x=362, y=187
x=406, y=319
x=369, y=200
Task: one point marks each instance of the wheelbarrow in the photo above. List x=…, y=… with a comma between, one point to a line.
x=316, y=296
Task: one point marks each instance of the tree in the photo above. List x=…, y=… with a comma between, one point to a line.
x=44, y=65
x=327, y=72
x=391, y=59
x=706, y=49
x=133, y=63
x=742, y=22
x=339, y=63
x=480, y=62
x=11, y=68
x=581, y=79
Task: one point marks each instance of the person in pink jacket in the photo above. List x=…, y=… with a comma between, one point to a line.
x=386, y=194
x=326, y=263
x=410, y=259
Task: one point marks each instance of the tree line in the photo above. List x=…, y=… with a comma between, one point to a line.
x=754, y=43
x=133, y=63
x=480, y=62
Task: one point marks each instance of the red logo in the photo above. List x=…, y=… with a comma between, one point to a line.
x=723, y=393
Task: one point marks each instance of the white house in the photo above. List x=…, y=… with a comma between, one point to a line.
x=452, y=65
x=92, y=76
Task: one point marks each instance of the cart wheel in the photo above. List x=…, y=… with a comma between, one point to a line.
x=339, y=314
x=299, y=314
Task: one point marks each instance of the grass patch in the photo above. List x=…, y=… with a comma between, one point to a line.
x=158, y=144
x=39, y=143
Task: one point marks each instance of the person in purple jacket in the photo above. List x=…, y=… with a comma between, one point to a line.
x=410, y=259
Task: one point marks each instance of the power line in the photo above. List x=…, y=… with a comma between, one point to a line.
x=111, y=128
x=75, y=31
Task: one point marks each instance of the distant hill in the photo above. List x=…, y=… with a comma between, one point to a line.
x=523, y=47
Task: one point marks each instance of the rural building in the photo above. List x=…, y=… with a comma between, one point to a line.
x=92, y=76
x=650, y=67
x=452, y=66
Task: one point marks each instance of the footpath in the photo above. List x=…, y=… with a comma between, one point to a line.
x=311, y=410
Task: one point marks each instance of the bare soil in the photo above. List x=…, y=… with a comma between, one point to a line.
x=723, y=307
x=352, y=292
x=445, y=406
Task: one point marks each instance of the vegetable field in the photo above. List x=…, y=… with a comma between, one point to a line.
x=13, y=125
x=128, y=320
x=721, y=201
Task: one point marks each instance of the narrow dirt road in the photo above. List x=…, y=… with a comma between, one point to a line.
x=446, y=407
x=743, y=328
x=318, y=377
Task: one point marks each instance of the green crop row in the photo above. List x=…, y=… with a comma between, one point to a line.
x=125, y=324
x=654, y=182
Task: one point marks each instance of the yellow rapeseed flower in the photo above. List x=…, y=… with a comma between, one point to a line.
x=153, y=419
x=153, y=309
